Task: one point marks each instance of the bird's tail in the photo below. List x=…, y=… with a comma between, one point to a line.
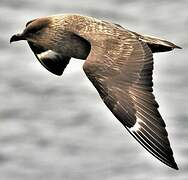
x=158, y=45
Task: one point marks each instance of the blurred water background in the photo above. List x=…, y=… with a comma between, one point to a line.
x=57, y=128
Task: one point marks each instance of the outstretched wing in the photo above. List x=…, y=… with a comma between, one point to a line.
x=52, y=61
x=120, y=67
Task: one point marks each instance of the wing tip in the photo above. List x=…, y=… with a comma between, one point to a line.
x=170, y=162
x=174, y=166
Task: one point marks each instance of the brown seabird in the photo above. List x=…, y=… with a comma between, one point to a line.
x=119, y=63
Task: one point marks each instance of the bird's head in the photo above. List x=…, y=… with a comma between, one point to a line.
x=42, y=37
x=36, y=31
x=53, y=42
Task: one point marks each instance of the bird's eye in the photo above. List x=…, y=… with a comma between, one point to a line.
x=33, y=30
x=35, y=26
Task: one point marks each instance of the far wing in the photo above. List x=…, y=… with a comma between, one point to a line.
x=120, y=67
x=52, y=61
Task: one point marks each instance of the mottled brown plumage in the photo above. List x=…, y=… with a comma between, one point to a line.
x=119, y=63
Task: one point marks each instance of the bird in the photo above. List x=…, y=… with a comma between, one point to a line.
x=118, y=62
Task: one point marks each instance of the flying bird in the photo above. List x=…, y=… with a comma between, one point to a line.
x=119, y=63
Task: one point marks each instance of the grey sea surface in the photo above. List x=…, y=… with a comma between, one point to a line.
x=57, y=128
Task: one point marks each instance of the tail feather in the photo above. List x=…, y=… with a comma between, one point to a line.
x=158, y=45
